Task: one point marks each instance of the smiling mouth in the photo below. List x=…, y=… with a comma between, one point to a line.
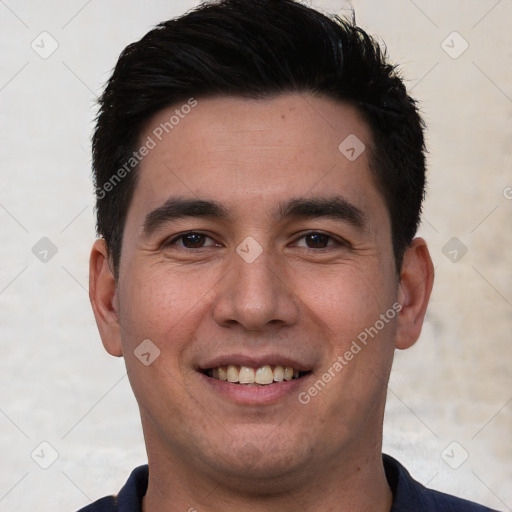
x=261, y=376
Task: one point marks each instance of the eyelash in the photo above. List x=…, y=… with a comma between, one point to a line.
x=336, y=241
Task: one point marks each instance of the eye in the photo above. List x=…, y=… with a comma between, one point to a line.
x=192, y=240
x=316, y=240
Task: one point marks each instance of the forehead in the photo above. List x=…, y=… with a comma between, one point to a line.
x=256, y=152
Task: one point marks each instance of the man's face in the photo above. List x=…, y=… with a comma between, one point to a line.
x=284, y=263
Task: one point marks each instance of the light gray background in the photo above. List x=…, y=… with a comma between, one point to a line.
x=58, y=385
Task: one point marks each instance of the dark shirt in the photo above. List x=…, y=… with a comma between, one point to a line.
x=408, y=495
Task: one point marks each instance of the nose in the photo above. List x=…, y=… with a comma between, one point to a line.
x=256, y=296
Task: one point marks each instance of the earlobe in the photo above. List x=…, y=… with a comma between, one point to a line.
x=103, y=297
x=416, y=281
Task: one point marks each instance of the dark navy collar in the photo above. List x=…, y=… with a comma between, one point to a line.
x=411, y=496
x=408, y=495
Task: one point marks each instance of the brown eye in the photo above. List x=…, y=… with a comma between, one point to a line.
x=191, y=240
x=317, y=240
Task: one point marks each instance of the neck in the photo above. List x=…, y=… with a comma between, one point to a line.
x=356, y=484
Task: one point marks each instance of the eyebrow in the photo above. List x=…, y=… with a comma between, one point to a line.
x=335, y=207
x=178, y=208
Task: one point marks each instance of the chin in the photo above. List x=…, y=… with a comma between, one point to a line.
x=262, y=463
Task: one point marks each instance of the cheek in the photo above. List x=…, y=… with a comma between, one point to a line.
x=163, y=306
x=348, y=300
x=158, y=302
x=354, y=314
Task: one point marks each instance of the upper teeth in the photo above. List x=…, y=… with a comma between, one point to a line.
x=245, y=375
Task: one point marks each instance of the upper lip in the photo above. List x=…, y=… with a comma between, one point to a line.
x=253, y=361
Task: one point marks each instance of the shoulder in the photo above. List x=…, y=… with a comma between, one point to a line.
x=411, y=495
x=447, y=503
x=107, y=504
x=129, y=498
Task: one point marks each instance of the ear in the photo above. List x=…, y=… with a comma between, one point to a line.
x=416, y=281
x=103, y=296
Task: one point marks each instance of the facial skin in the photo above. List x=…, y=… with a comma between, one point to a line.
x=215, y=445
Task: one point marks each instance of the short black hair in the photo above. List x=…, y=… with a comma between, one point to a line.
x=258, y=49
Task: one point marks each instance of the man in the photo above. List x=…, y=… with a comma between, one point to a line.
x=259, y=172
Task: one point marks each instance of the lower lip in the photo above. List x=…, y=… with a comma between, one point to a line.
x=255, y=395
